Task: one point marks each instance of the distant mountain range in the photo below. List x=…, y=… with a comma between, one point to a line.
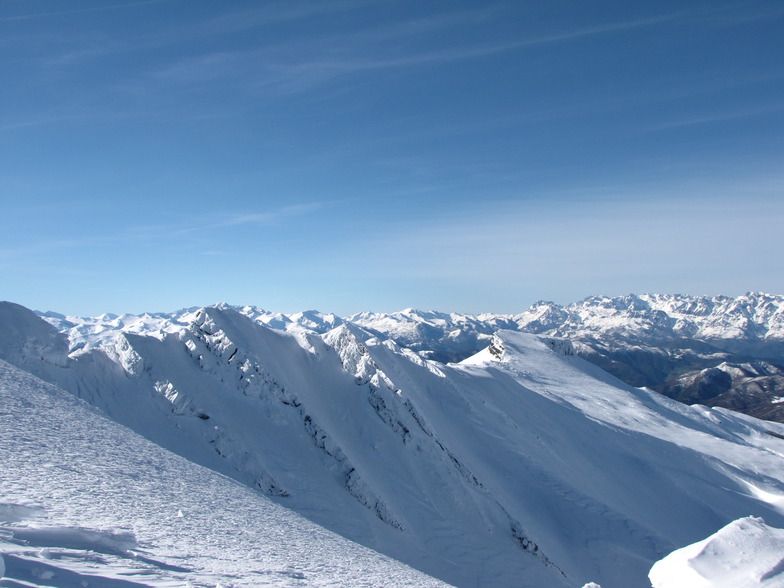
x=521, y=465
x=715, y=351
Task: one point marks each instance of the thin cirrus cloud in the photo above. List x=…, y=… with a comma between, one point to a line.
x=103, y=8
x=598, y=242
x=212, y=221
x=302, y=64
x=720, y=117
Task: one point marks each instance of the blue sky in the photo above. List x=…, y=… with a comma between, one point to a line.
x=375, y=155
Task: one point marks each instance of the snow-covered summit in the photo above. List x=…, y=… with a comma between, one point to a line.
x=643, y=318
x=751, y=316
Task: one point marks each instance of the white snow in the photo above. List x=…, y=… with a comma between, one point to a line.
x=85, y=501
x=521, y=466
x=746, y=553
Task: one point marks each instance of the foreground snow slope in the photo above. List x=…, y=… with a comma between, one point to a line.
x=747, y=553
x=522, y=466
x=85, y=501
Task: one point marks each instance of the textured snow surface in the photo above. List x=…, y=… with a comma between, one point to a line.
x=86, y=502
x=747, y=553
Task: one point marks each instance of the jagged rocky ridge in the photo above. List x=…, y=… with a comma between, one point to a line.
x=521, y=466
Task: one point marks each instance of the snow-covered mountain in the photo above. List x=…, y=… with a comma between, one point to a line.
x=750, y=321
x=753, y=317
x=87, y=502
x=752, y=387
x=659, y=341
x=523, y=465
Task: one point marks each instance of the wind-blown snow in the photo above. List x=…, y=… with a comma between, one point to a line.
x=85, y=501
x=747, y=553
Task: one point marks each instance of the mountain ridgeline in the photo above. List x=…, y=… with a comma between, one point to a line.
x=521, y=465
x=715, y=351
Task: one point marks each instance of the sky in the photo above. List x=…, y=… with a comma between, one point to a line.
x=376, y=155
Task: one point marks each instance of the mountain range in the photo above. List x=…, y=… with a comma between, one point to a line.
x=715, y=351
x=522, y=464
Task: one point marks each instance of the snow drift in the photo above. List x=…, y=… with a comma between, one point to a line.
x=747, y=553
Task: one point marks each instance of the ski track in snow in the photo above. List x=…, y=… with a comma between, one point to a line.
x=86, y=502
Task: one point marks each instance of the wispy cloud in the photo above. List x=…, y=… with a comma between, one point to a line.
x=719, y=117
x=302, y=64
x=22, y=253
x=213, y=221
x=106, y=7
x=268, y=14
x=57, y=119
x=269, y=217
x=598, y=243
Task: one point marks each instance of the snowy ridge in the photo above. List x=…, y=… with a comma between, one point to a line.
x=753, y=316
x=87, y=502
x=647, y=318
x=524, y=465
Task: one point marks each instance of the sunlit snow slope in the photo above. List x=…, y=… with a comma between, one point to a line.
x=716, y=351
x=747, y=553
x=87, y=502
x=522, y=466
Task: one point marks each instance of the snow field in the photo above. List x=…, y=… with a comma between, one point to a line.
x=84, y=499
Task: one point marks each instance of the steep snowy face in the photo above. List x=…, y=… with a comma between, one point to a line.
x=86, y=502
x=350, y=344
x=318, y=424
x=28, y=341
